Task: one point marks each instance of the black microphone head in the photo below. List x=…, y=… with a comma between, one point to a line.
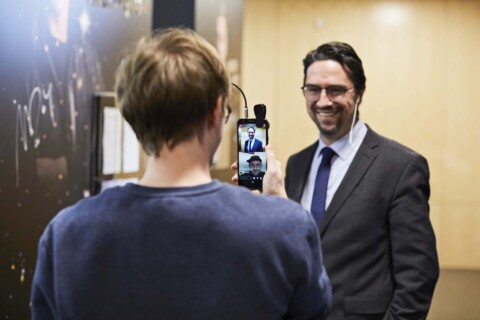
x=260, y=114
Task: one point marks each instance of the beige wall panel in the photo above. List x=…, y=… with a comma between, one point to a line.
x=462, y=152
x=258, y=47
x=421, y=62
x=461, y=155
x=461, y=238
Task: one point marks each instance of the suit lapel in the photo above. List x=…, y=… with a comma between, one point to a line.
x=366, y=155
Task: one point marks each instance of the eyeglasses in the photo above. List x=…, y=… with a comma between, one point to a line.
x=313, y=92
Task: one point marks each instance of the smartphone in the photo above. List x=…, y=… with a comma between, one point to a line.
x=252, y=160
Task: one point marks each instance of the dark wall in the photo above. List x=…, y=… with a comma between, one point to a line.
x=52, y=59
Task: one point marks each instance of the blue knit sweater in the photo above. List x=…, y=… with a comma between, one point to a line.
x=213, y=251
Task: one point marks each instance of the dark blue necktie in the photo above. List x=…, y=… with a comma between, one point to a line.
x=321, y=183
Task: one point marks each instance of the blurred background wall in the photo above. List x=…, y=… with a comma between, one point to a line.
x=54, y=54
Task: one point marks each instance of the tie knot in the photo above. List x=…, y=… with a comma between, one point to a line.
x=327, y=154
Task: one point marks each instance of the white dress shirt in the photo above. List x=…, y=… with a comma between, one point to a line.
x=345, y=152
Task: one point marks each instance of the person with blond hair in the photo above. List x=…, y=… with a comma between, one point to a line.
x=180, y=245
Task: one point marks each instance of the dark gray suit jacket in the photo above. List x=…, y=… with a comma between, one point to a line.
x=257, y=146
x=377, y=239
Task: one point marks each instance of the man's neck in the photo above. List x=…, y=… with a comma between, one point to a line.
x=188, y=164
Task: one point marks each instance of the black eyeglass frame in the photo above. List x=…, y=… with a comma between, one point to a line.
x=333, y=92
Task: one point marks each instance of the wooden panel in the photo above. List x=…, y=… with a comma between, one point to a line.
x=462, y=155
x=460, y=236
x=258, y=76
x=420, y=59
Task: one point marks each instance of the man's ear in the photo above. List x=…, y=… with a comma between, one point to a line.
x=360, y=96
x=217, y=114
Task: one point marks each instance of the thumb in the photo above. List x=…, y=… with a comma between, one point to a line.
x=273, y=180
x=272, y=162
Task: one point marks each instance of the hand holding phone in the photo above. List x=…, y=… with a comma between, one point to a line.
x=273, y=182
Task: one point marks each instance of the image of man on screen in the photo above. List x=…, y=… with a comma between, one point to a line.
x=255, y=166
x=252, y=144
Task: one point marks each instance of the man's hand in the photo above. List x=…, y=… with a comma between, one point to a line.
x=273, y=180
x=234, y=168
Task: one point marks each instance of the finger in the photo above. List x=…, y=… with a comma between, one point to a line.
x=273, y=180
x=278, y=165
x=271, y=159
x=234, y=168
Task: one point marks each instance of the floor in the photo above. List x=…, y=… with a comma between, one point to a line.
x=457, y=296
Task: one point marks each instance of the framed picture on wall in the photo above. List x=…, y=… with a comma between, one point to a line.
x=115, y=158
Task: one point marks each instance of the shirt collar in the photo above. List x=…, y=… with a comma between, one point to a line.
x=341, y=147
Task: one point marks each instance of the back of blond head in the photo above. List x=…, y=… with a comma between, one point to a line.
x=167, y=87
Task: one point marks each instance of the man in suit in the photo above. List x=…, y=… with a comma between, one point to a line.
x=377, y=239
x=252, y=144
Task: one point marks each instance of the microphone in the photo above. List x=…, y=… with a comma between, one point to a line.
x=260, y=113
x=259, y=109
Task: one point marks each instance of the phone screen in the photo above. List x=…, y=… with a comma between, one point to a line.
x=252, y=161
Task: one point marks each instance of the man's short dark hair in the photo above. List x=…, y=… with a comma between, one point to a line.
x=342, y=53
